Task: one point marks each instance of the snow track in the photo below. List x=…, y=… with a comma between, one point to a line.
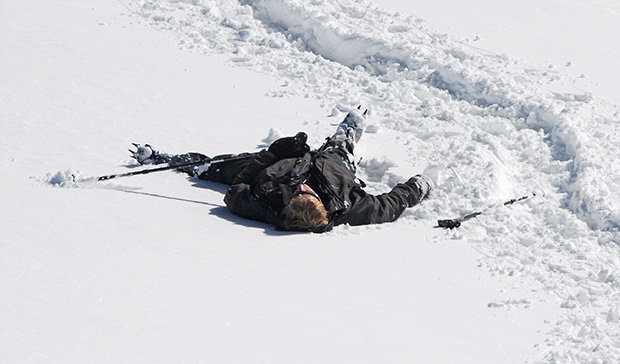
x=485, y=127
x=421, y=84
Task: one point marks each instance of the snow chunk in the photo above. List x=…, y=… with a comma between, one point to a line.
x=274, y=134
x=66, y=178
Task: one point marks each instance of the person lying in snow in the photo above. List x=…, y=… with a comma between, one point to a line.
x=296, y=189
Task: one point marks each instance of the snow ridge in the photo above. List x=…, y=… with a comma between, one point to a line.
x=485, y=127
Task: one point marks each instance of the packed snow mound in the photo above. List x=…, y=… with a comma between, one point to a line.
x=274, y=135
x=63, y=178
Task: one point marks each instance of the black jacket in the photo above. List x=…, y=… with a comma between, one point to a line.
x=267, y=183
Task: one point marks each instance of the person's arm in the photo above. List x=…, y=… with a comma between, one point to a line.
x=387, y=207
x=240, y=201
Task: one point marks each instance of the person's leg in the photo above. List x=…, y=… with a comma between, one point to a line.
x=187, y=158
x=222, y=172
x=341, y=145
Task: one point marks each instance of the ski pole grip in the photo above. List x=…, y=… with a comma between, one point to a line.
x=449, y=224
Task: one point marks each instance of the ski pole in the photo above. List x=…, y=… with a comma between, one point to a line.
x=456, y=222
x=176, y=166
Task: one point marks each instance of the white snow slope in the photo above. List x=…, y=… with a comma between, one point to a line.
x=153, y=268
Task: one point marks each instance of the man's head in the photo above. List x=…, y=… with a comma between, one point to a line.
x=305, y=211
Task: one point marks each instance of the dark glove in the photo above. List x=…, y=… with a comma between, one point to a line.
x=290, y=147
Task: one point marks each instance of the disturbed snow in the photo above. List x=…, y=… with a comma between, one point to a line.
x=486, y=128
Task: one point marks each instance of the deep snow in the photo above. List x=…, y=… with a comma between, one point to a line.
x=154, y=269
x=577, y=38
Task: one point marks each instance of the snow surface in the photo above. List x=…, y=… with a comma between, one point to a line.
x=154, y=268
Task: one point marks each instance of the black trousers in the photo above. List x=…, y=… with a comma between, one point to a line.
x=221, y=172
x=226, y=172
